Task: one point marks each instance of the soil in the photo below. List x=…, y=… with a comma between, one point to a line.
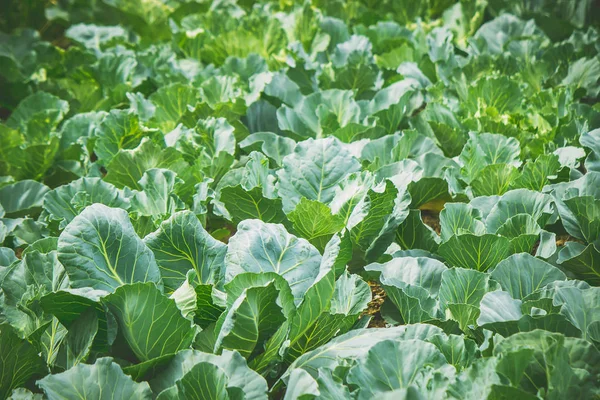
x=374, y=307
x=431, y=219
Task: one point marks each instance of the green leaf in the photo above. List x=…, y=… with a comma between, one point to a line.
x=475, y=252
x=522, y=274
x=451, y=139
x=319, y=112
x=549, y=365
x=24, y=284
x=461, y=292
x=25, y=394
x=586, y=210
x=500, y=94
x=536, y=174
x=313, y=221
x=151, y=324
x=356, y=343
x=92, y=381
x=391, y=105
x=301, y=386
x=313, y=171
x=95, y=37
x=232, y=363
x=118, y=130
x=251, y=204
x=61, y=202
x=37, y=115
x=591, y=140
x=48, y=340
x=30, y=161
x=520, y=201
x=487, y=149
x=171, y=103
x=414, y=234
x=77, y=344
x=582, y=308
x=351, y=295
x=352, y=66
x=412, y=284
x=412, y=144
x=377, y=372
x=428, y=190
x=182, y=244
x=494, y=179
x=67, y=305
x=460, y=218
x=309, y=329
x=581, y=261
x=583, y=73
x=22, y=198
x=19, y=361
x=101, y=250
x=497, y=307
x=316, y=300
x=458, y=350
x=157, y=196
x=260, y=247
x=128, y=166
x=274, y=146
x=252, y=318
x=208, y=309
x=204, y=381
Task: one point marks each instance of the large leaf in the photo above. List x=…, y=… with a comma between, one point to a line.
x=412, y=284
x=70, y=307
x=582, y=309
x=252, y=318
x=313, y=171
x=171, y=103
x=22, y=198
x=119, y=130
x=581, y=261
x=356, y=343
x=101, y=250
x=67, y=201
x=128, y=166
x=182, y=244
x=376, y=372
x=414, y=234
x=376, y=219
x=157, y=196
x=239, y=375
x=313, y=221
x=19, y=361
x=460, y=218
x=521, y=201
x=151, y=324
x=309, y=329
x=37, y=115
x=476, y=252
x=522, y=274
x=92, y=381
x=461, y=292
x=24, y=284
x=273, y=146
x=251, y=204
x=261, y=247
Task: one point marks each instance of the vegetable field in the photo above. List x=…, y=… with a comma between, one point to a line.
x=221, y=199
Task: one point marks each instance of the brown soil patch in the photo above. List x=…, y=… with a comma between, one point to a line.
x=374, y=307
x=562, y=239
x=431, y=219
